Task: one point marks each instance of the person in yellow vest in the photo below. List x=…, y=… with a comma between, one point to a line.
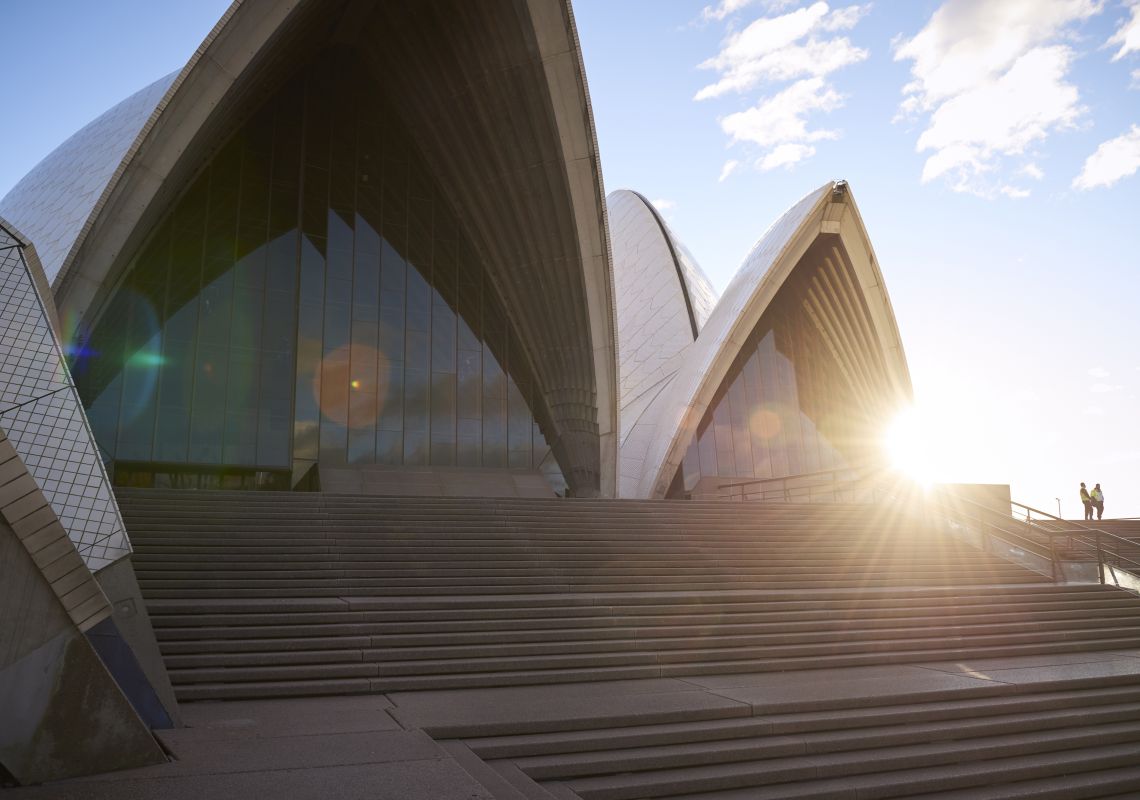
x=1097, y=501
x=1086, y=498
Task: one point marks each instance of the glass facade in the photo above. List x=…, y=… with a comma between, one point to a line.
x=310, y=298
x=785, y=407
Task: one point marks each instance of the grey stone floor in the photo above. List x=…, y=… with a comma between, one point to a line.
x=376, y=747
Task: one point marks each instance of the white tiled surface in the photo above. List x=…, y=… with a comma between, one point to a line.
x=51, y=204
x=652, y=320
x=42, y=415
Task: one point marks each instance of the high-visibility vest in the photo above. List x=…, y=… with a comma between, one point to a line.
x=1085, y=496
x=1097, y=496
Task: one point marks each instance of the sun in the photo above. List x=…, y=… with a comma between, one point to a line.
x=908, y=445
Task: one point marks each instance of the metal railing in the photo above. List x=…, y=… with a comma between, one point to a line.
x=847, y=485
x=1025, y=532
x=1075, y=541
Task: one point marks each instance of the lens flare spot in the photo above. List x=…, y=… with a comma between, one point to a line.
x=349, y=383
x=766, y=423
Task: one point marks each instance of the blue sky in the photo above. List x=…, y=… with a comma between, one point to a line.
x=1007, y=243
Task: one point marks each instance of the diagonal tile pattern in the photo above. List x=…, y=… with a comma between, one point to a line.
x=40, y=410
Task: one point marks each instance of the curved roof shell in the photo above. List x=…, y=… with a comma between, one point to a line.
x=856, y=316
x=55, y=201
x=663, y=301
x=495, y=95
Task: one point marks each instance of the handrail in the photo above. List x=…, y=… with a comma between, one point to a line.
x=753, y=481
x=1023, y=526
x=1088, y=535
x=790, y=487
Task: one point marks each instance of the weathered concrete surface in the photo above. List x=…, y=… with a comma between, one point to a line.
x=344, y=747
x=61, y=713
x=131, y=618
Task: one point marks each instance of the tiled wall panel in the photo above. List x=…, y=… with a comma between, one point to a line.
x=41, y=413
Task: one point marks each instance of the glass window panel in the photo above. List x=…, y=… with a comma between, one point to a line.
x=240, y=436
x=362, y=428
x=389, y=447
x=208, y=418
x=415, y=448
x=417, y=349
x=415, y=400
x=418, y=307
x=310, y=297
x=707, y=451
x=741, y=440
x=334, y=442
x=442, y=339
x=443, y=408
x=469, y=395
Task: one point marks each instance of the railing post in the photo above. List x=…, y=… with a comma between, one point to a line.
x=1099, y=556
x=1055, y=565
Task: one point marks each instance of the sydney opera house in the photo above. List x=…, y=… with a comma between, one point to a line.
x=366, y=247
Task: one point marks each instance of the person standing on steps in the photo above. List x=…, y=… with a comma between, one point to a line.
x=1097, y=502
x=1086, y=499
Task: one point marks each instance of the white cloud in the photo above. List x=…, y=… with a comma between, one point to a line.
x=784, y=48
x=1128, y=34
x=661, y=204
x=1015, y=192
x=723, y=9
x=786, y=155
x=781, y=118
x=993, y=79
x=1099, y=372
x=796, y=51
x=1031, y=170
x=1103, y=388
x=726, y=8
x=728, y=168
x=1094, y=411
x=1115, y=159
x=1135, y=79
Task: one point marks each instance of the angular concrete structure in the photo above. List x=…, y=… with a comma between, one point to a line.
x=63, y=713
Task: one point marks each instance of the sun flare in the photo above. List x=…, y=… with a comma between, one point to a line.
x=908, y=447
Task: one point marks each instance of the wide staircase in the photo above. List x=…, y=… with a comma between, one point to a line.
x=267, y=594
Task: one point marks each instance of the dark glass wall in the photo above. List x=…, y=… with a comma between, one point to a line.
x=785, y=408
x=311, y=297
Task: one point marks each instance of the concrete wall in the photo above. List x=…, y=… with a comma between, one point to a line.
x=61, y=712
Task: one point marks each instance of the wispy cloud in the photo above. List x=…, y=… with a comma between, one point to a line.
x=1104, y=388
x=1094, y=411
x=728, y=168
x=803, y=47
x=723, y=9
x=1014, y=192
x=784, y=48
x=1033, y=171
x=786, y=155
x=661, y=204
x=1113, y=160
x=726, y=8
x=1099, y=372
x=782, y=118
x=990, y=79
x=1127, y=35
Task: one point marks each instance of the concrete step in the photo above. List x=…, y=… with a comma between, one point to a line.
x=906, y=768
x=1082, y=694
x=766, y=745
